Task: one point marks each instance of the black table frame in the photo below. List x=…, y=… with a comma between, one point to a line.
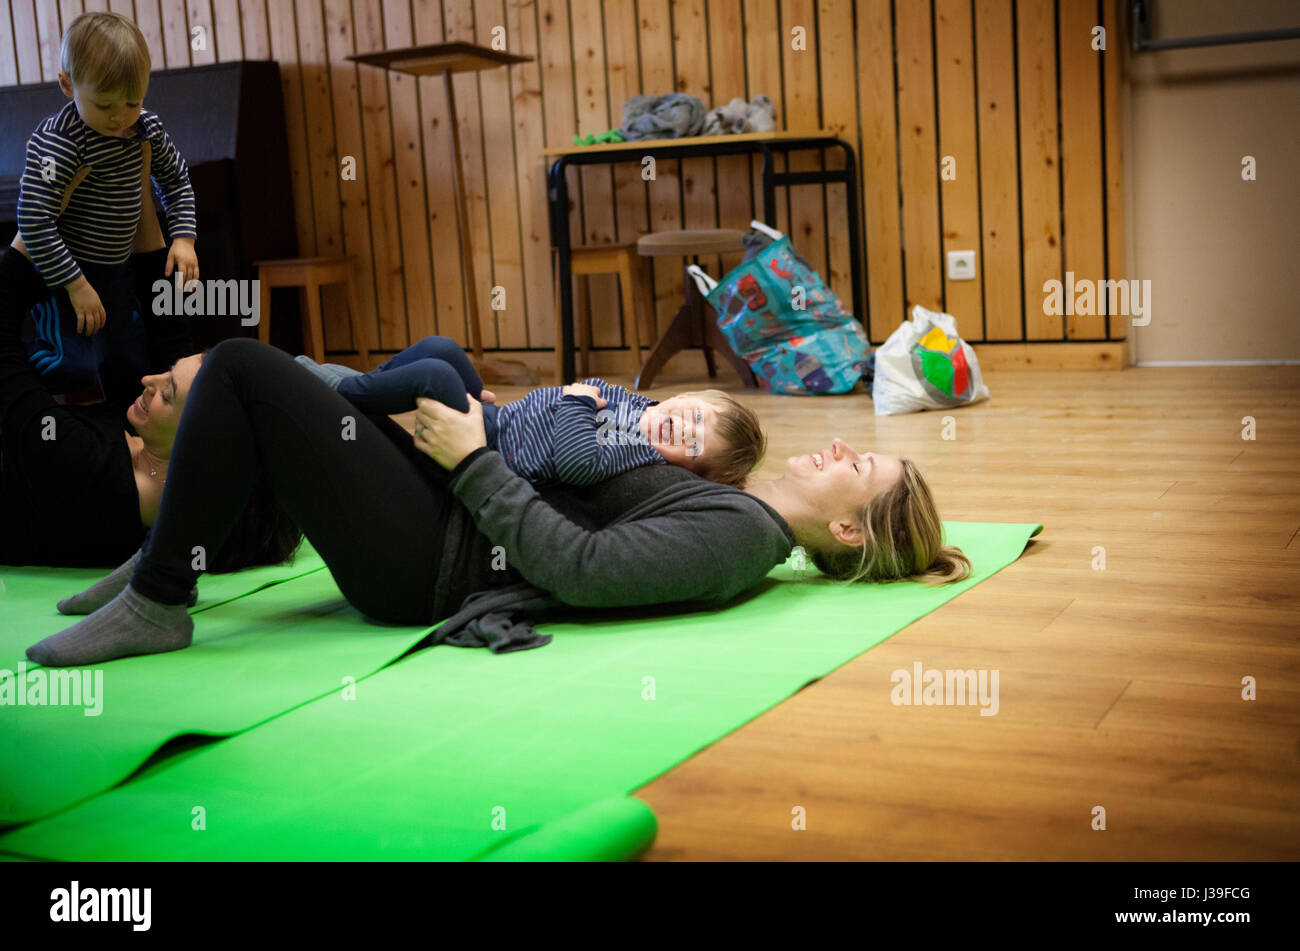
x=558, y=193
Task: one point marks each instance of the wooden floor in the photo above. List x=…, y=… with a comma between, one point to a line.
x=1119, y=688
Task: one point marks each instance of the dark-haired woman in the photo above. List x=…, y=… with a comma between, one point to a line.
x=78, y=485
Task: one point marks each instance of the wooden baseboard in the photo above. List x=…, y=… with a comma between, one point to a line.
x=1052, y=356
x=1112, y=355
x=992, y=356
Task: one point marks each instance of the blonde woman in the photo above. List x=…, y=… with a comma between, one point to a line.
x=439, y=528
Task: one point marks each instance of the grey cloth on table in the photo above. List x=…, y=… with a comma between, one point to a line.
x=331, y=373
x=662, y=117
x=739, y=116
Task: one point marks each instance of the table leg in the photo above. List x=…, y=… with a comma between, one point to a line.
x=492, y=371
x=769, y=187
x=855, y=256
x=264, y=310
x=314, y=330
x=360, y=338
x=462, y=223
x=559, y=188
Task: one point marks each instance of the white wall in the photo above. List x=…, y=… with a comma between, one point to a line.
x=1222, y=254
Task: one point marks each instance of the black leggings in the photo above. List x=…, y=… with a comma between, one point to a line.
x=373, y=505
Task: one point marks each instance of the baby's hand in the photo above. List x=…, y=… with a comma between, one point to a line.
x=487, y=396
x=87, y=305
x=183, y=259
x=585, y=389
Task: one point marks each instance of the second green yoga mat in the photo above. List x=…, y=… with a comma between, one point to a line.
x=460, y=754
x=253, y=658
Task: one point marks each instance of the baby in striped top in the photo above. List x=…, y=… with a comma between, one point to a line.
x=80, y=200
x=579, y=434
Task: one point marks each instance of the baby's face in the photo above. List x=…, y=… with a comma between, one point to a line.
x=683, y=429
x=108, y=113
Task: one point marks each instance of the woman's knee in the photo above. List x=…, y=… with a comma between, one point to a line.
x=245, y=353
x=236, y=350
x=249, y=366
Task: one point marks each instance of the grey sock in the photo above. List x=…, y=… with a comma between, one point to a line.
x=108, y=588
x=129, y=624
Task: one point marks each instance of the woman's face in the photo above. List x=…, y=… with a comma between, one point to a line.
x=837, y=482
x=157, y=412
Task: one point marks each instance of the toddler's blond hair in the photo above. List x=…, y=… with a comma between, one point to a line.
x=106, y=53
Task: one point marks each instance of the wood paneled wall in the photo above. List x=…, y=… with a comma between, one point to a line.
x=1010, y=89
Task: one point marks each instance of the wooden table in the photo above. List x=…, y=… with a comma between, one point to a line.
x=449, y=58
x=760, y=143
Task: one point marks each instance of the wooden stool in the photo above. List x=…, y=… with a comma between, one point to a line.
x=311, y=274
x=634, y=289
x=693, y=325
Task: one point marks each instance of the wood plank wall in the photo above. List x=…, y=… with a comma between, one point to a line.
x=1011, y=90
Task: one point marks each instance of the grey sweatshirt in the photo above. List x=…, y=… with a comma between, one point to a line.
x=679, y=538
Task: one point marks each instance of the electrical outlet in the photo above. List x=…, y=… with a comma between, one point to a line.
x=961, y=265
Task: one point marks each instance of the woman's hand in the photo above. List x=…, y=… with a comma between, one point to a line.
x=445, y=435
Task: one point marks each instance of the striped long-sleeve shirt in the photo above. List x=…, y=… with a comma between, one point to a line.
x=550, y=437
x=99, y=222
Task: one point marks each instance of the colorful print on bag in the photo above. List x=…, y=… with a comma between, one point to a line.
x=816, y=348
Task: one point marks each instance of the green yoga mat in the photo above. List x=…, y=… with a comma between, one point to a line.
x=610, y=830
x=29, y=595
x=456, y=754
x=253, y=658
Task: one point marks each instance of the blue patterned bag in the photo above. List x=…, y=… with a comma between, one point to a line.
x=818, y=347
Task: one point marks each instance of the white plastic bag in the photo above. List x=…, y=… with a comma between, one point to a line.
x=925, y=365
